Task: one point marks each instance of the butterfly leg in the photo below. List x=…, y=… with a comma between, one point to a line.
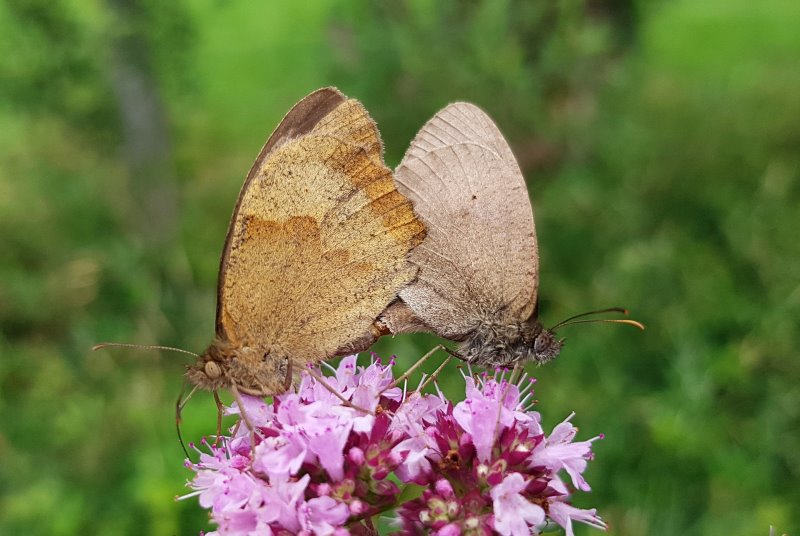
x=287, y=382
x=220, y=409
x=179, y=405
x=516, y=372
x=415, y=366
x=246, y=419
x=311, y=372
x=435, y=374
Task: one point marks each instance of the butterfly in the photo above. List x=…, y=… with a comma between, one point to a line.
x=479, y=263
x=315, y=251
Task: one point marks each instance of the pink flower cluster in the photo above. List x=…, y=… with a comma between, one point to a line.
x=323, y=466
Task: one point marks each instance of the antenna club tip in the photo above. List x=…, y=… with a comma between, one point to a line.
x=99, y=346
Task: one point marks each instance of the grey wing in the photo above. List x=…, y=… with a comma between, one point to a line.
x=479, y=259
x=460, y=122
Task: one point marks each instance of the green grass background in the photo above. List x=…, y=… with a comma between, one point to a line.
x=661, y=144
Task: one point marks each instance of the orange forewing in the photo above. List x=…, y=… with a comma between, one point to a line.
x=316, y=249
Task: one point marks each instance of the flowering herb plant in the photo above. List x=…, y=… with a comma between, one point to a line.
x=320, y=465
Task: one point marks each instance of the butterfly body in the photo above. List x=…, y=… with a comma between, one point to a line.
x=479, y=264
x=504, y=345
x=485, y=341
x=316, y=250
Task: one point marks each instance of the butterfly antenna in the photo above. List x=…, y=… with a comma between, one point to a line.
x=102, y=345
x=627, y=321
x=597, y=312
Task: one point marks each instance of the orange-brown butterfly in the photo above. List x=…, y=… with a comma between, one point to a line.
x=479, y=263
x=315, y=251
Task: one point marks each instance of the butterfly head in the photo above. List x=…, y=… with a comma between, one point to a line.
x=252, y=371
x=546, y=346
x=543, y=345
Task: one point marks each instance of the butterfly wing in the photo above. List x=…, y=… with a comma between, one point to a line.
x=479, y=260
x=317, y=245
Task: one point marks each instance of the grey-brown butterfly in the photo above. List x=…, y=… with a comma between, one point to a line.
x=479, y=263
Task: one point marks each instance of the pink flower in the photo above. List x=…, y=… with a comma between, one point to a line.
x=483, y=419
x=488, y=410
x=328, y=445
x=345, y=374
x=281, y=500
x=514, y=515
x=477, y=463
x=410, y=421
x=323, y=515
x=281, y=455
x=558, y=452
x=563, y=514
x=299, y=479
x=321, y=466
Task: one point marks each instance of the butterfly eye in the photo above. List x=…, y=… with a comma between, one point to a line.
x=542, y=342
x=212, y=370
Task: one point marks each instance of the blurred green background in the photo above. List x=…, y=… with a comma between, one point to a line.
x=661, y=143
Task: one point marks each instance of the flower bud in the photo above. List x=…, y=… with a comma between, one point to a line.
x=451, y=529
x=482, y=471
x=357, y=507
x=356, y=455
x=444, y=488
